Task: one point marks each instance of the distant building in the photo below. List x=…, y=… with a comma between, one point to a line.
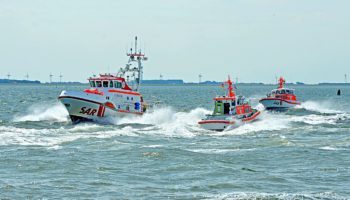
x=12, y=81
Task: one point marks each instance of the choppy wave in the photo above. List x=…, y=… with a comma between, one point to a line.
x=277, y=196
x=52, y=137
x=44, y=112
x=164, y=121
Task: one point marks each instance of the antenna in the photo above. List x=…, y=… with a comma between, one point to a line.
x=8, y=76
x=276, y=79
x=50, y=78
x=345, y=78
x=144, y=48
x=200, y=78
x=61, y=78
x=135, y=44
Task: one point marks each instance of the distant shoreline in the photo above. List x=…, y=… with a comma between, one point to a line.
x=176, y=82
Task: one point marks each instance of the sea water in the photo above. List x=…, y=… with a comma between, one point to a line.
x=300, y=154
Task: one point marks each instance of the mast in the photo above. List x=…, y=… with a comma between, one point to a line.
x=281, y=82
x=138, y=57
x=230, y=88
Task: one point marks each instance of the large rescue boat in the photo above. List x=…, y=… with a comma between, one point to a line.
x=280, y=99
x=109, y=95
x=230, y=111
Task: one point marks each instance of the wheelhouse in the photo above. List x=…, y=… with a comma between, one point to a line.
x=108, y=81
x=105, y=84
x=231, y=105
x=282, y=91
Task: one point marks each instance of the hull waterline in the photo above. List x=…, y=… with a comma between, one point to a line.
x=210, y=123
x=278, y=104
x=90, y=109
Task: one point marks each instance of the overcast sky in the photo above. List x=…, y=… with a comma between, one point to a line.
x=255, y=40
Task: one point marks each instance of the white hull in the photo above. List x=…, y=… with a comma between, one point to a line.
x=218, y=126
x=278, y=104
x=221, y=122
x=82, y=106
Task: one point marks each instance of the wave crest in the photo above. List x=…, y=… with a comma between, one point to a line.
x=44, y=112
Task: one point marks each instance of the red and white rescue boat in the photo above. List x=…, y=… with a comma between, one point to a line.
x=280, y=99
x=230, y=111
x=109, y=95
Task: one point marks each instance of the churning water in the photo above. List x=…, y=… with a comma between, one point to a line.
x=300, y=154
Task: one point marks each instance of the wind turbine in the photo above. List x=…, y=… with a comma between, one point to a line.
x=51, y=78
x=346, y=78
x=61, y=78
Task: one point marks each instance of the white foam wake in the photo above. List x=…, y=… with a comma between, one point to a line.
x=266, y=122
x=44, y=112
x=318, y=119
x=54, y=138
x=168, y=121
x=277, y=196
x=321, y=107
x=164, y=121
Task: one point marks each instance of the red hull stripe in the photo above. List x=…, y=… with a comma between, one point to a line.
x=290, y=102
x=99, y=113
x=251, y=117
x=124, y=92
x=216, y=121
x=125, y=111
x=103, y=111
x=81, y=99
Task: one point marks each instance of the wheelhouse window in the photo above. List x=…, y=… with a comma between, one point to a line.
x=117, y=84
x=105, y=83
x=92, y=84
x=283, y=91
x=98, y=83
x=110, y=84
